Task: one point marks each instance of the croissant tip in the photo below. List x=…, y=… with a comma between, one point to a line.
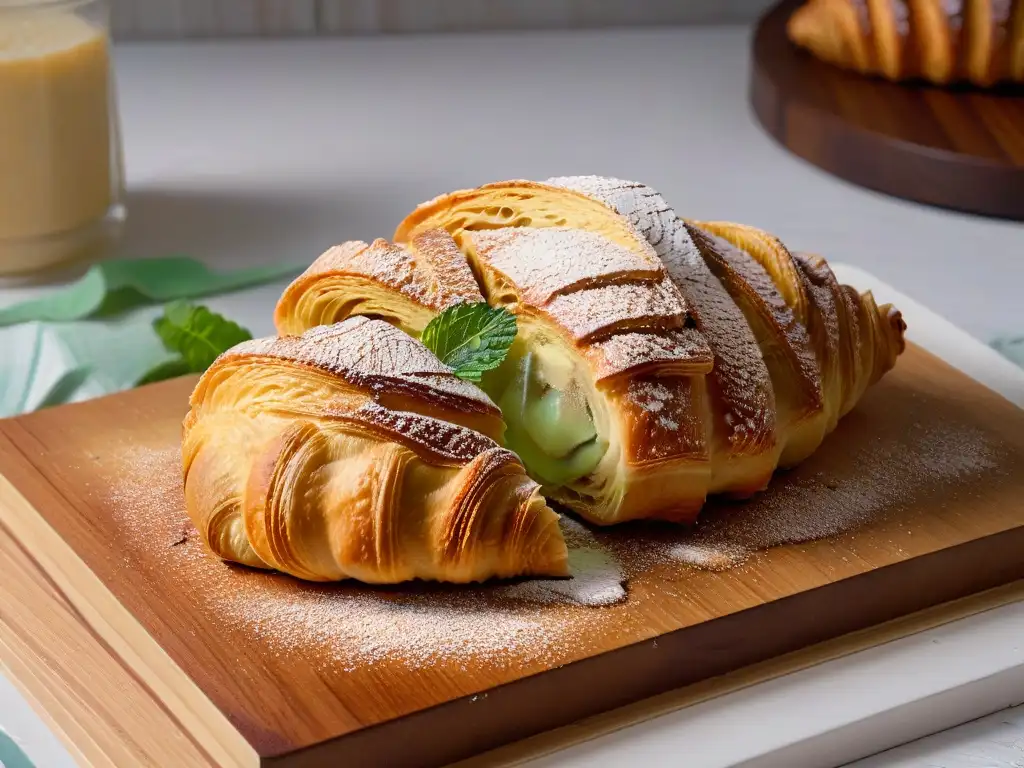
x=801, y=24
x=550, y=556
x=557, y=567
x=897, y=325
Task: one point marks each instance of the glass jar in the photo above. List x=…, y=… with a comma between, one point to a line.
x=61, y=163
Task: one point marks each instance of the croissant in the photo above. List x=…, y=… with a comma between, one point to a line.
x=658, y=360
x=352, y=452
x=976, y=41
x=403, y=284
x=602, y=367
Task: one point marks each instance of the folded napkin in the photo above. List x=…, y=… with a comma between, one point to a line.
x=95, y=336
x=56, y=363
x=11, y=755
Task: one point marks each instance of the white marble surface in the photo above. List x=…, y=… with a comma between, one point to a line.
x=996, y=741
x=251, y=152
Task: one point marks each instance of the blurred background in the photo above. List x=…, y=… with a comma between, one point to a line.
x=146, y=19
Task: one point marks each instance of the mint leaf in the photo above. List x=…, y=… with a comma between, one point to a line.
x=115, y=286
x=471, y=338
x=197, y=334
x=169, y=369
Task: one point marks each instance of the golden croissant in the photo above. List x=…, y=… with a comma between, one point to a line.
x=942, y=41
x=657, y=360
x=352, y=452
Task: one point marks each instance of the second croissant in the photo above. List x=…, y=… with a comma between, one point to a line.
x=941, y=41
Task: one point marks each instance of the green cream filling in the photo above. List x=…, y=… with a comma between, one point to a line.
x=548, y=419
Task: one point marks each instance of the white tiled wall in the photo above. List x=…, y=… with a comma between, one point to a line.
x=203, y=18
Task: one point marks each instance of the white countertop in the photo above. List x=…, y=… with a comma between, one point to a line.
x=250, y=152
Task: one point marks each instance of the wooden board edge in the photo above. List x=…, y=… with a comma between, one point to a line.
x=47, y=703
x=76, y=733
x=588, y=729
x=88, y=697
x=127, y=638
x=530, y=706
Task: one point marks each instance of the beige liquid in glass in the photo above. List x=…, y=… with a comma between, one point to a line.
x=58, y=179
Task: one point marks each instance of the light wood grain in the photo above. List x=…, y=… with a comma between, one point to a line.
x=105, y=715
x=78, y=504
x=108, y=619
x=100, y=710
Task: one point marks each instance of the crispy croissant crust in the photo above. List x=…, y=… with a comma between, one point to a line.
x=978, y=41
x=403, y=284
x=614, y=311
x=793, y=350
x=607, y=302
x=352, y=452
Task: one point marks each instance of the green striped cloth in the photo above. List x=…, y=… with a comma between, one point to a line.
x=95, y=336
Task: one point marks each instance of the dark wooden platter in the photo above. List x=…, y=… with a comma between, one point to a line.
x=259, y=669
x=958, y=148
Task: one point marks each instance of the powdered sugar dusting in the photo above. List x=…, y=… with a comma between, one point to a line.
x=429, y=435
x=549, y=261
x=683, y=352
x=349, y=627
x=652, y=396
x=430, y=271
x=358, y=625
x=822, y=290
x=377, y=627
x=744, y=403
x=442, y=269
x=719, y=557
x=593, y=312
x=790, y=334
x=835, y=353
x=819, y=505
x=371, y=354
x=663, y=418
x=593, y=286
x=597, y=577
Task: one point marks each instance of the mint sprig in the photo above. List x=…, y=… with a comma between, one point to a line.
x=471, y=338
x=197, y=335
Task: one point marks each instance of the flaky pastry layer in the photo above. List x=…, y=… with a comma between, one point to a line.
x=352, y=452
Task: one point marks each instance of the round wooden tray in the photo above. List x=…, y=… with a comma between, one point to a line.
x=952, y=147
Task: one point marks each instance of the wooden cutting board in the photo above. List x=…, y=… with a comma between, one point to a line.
x=920, y=488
